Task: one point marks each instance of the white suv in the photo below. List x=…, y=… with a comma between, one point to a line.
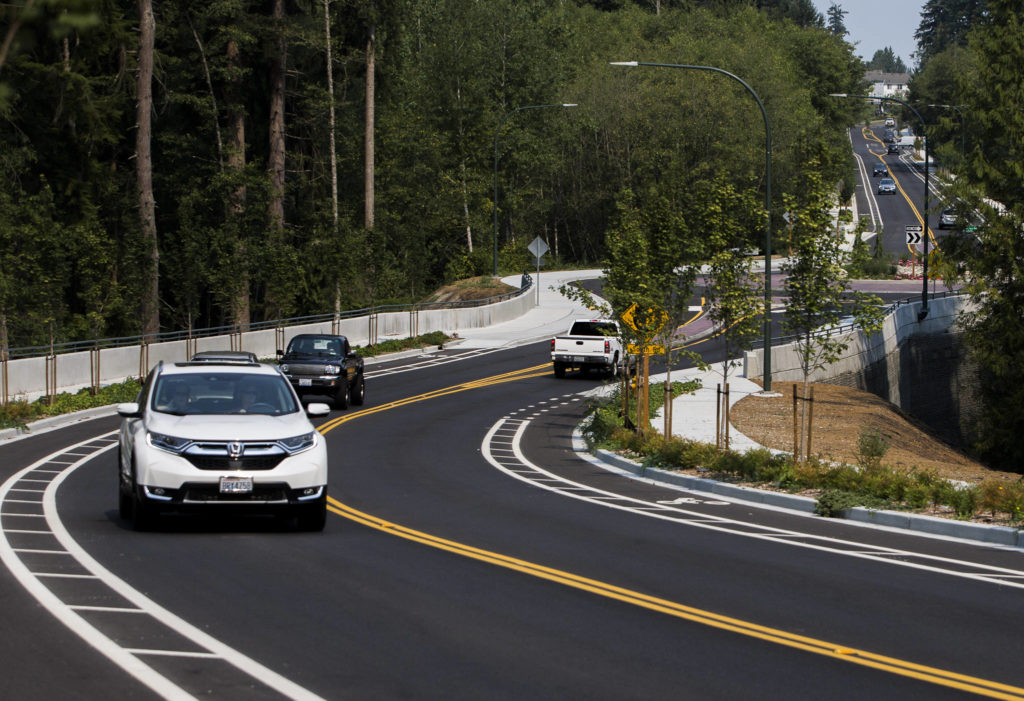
x=217, y=436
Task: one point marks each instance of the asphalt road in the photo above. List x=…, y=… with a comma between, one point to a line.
x=890, y=214
x=450, y=578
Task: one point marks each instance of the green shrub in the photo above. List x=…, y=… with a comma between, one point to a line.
x=871, y=447
x=19, y=413
x=833, y=502
x=393, y=345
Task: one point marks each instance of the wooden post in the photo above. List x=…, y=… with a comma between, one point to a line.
x=810, y=421
x=796, y=429
x=718, y=415
x=666, y=410
x=725, y=407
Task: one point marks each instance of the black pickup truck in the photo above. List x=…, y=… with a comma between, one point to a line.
x=324, y=364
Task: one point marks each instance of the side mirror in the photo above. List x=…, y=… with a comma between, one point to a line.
x=318, y=409
x=280, y=352
x=129, y=410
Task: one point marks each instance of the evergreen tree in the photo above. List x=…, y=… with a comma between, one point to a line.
x=988, y=260
x=836, y=13
x=945, y=23
x=886, y=60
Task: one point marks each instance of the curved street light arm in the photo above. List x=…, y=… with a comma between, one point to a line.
x=767, y=366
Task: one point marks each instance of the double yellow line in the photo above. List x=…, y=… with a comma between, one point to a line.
x=825, y=648
x=913, y=207
x=776, y=636
x=535, y=371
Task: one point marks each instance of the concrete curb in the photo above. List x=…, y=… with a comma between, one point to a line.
x=51, y=422
x=928, y=525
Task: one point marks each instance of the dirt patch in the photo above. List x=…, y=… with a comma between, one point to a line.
x=471, y=289
x=840, y=414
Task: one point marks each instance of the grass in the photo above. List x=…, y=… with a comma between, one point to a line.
x=19, y=413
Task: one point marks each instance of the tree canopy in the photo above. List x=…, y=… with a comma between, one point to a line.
x=241, y=238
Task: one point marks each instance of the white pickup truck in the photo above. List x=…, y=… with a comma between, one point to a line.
x=591, y=344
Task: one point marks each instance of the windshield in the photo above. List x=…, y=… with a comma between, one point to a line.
x=223, y=393
x=326, y=346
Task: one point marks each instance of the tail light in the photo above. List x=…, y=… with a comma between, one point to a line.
x=607, y=346
x=552, y=345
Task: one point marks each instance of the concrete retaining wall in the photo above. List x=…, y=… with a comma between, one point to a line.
x=918, y=366
x=27, y=376
x=863, y=350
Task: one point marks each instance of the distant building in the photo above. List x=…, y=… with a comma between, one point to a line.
x=887, y=84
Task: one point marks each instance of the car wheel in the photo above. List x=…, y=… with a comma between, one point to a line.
x=613, y=371
x=559, y=370
x=313, y=517
x=359, y=395
x=342, y=396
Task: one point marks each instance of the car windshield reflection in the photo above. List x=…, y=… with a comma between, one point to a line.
x=223, y=393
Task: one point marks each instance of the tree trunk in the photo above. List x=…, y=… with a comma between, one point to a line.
x=276, y=157
x=150, y=303
x=240, y=305
x=368, y=175
x=333, y=150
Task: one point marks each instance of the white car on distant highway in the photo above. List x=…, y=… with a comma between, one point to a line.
x=886, y=186
x=219, y=436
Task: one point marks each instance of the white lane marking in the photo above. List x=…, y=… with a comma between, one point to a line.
x=125, y=658
x=980, y=572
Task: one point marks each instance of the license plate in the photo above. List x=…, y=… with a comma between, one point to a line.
x=235, y=485
x=578, y=359
x=305, y=383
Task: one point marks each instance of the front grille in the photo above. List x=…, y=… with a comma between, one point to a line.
x=257, y=462
x=215, y=456
x=296, y=369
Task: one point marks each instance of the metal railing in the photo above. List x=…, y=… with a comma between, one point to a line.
x=191, y=335
x=840, y=329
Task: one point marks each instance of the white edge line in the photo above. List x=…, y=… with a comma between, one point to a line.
x=78, y=625
x=884, y=554
x=244, y=663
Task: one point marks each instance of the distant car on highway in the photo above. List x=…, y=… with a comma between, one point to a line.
x=892, y=148
x=947, y=219
x=890, y=122
x=879, y=169
x=886, y=186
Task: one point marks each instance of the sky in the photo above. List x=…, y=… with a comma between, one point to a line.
x=875, y=24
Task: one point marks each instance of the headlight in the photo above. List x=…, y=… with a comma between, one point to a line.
x=171, y=444
x=297, y=444
x=284, y=367
x=332, y=369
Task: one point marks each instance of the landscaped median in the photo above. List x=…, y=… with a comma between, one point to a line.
x=869, y=492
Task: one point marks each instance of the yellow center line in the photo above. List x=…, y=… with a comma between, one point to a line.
x=776, y=636
x=913, y=207
x=865, y=658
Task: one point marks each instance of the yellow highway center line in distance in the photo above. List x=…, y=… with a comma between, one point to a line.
x=913, y=207
x=776, y=636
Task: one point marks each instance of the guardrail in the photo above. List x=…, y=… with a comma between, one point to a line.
x=841, y=329
x=32, y=371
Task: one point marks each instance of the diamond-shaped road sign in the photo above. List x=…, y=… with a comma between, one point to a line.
x=537, y=247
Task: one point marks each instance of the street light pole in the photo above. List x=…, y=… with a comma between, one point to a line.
x=767, y=366
x=923, y=312
x=496, y=132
